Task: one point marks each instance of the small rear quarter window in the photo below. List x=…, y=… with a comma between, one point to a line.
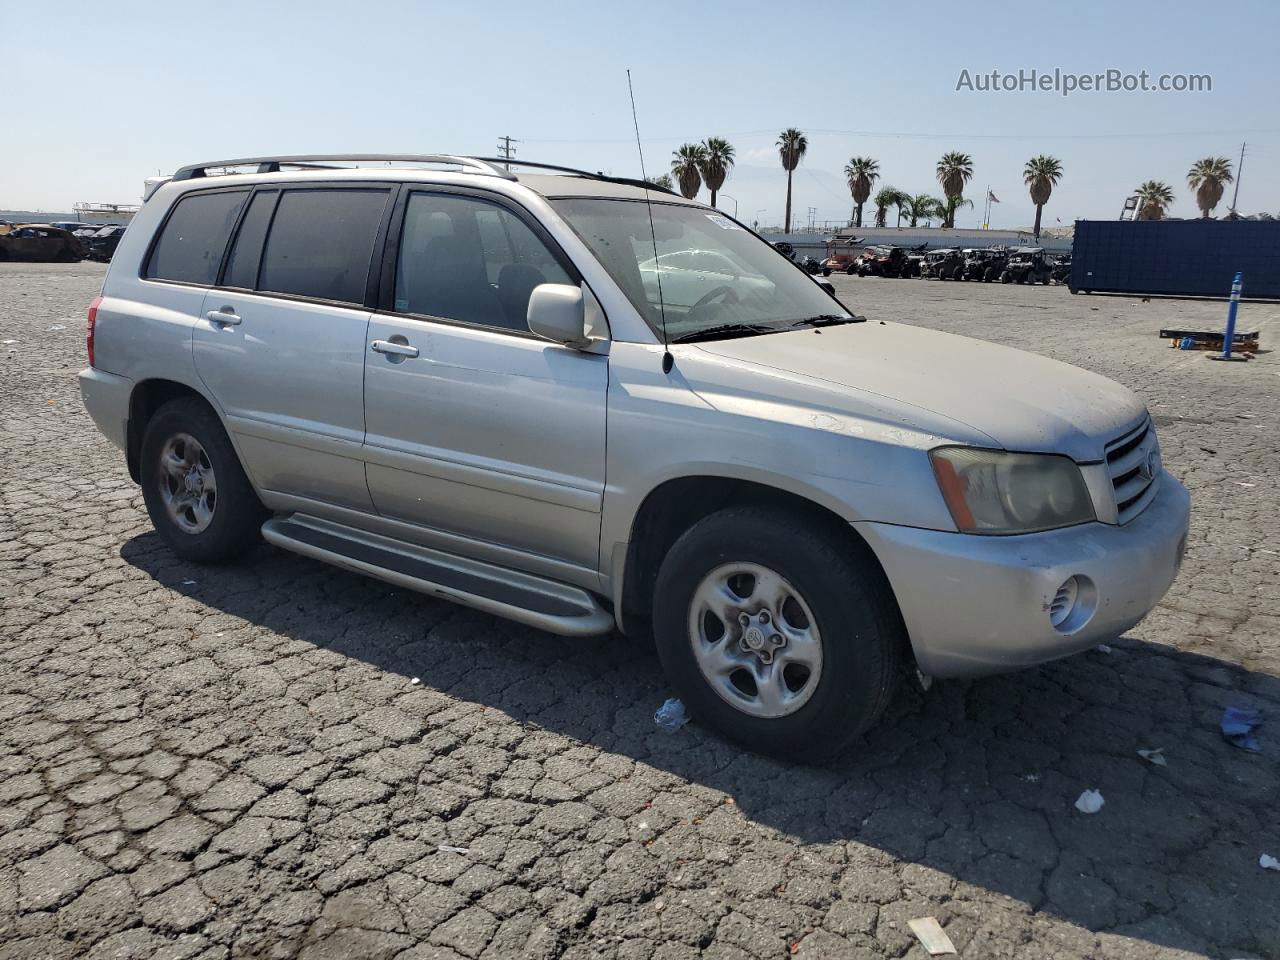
x=194, y=237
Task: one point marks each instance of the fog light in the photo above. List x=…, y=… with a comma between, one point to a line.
x=1073, y=605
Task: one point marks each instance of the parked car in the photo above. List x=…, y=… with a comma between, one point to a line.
x=471, y=391
x=883, y=261
x=71, y=226
x=945, y=264
x=101, y=244
x=1026, y=265
x=1060, y=269
x=843, y=254
x=985, y=265
x=39, y=242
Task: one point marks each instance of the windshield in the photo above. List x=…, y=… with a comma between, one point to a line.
x=711, y=272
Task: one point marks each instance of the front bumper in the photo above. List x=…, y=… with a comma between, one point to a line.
x=106, y=397
x=981, y=604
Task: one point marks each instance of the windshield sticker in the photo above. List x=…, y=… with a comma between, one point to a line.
x=722, y=222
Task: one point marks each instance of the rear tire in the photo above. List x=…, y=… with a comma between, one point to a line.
x=834, y=600
x=197, y=495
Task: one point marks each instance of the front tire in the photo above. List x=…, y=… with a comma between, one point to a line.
x=776, y=632
x=197, y=495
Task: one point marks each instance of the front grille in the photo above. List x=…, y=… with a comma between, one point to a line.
x=1129, y=466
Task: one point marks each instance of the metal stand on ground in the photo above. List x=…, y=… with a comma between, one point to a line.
x=1230, y=333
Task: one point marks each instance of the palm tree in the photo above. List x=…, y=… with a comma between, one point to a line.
x=882, y=201
x=717, y=161
x=900, y=199
x=919, y=208
x=1208, y=178
x=687, y=168
x=1041, y=174
x=662, y=180
x=955, y=169
x=1153, y=197
x=792, y=145
x=861, y=172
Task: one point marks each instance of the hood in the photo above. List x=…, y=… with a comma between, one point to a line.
x=1020, y=401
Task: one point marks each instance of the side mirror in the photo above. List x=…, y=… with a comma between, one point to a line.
x=558, y=313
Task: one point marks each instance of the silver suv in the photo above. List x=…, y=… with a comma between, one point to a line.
x=582, y=402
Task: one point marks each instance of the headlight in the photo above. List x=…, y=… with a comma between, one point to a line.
x=990, y=491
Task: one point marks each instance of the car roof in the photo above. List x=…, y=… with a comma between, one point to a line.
x=480, y=171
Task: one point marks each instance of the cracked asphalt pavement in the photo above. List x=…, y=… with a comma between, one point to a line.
x=281, y=759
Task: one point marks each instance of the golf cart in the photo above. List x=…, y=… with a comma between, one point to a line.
x=1026, y=265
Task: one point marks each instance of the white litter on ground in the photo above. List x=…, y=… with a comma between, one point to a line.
x=671, y=716
x=1102, y=648
x=415, y=681
x=1090, y=802
x=445, y=848
x=1268, y=862
x=1155, y=756
x=931, y=936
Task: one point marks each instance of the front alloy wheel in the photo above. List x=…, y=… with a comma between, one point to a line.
x=755, y=640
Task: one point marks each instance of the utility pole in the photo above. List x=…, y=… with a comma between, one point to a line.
x=1239, y=170
x=505, y=148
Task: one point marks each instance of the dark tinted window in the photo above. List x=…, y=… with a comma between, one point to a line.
x=321, y=243
x=242, y=265
x=469, y=260
x=191, y=244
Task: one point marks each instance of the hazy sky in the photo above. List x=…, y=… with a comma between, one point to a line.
x=100, y=95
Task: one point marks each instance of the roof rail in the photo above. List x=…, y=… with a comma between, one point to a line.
x=647, y=184
x=273, y=164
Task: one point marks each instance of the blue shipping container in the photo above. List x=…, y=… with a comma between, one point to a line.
x=1176, y=257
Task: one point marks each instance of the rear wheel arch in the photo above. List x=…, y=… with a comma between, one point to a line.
x=147, y=397
x=674, y=506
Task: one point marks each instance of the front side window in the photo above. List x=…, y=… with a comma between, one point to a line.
x=321, y=244
x=193, y=239
x=470, y=260
x=705, y=272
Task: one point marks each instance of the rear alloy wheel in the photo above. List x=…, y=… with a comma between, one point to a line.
x=197, y=495
x=777, y=631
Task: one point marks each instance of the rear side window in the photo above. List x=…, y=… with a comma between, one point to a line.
x=242, y=265
x=195, y=235
x=321, y=243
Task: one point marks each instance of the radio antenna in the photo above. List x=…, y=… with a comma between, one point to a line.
x=667, y=359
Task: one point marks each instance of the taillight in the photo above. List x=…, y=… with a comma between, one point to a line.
x=93, y=322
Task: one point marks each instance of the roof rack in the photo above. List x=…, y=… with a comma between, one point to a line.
x=646, y=184
x=319, y=161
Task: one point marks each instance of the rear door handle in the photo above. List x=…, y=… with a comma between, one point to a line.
x=398, y=349
x=226, y=316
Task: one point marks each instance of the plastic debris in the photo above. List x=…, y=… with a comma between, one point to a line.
x=931, y=936
x=1089, y=802
x=671, y=716
x=7, y=342
x=445, y=848
x=1237, y=726
x=188, y=583
x=1155, y=756
x=1268, y=862
x=1102, y=648
x=415, y=681
x=56, y=327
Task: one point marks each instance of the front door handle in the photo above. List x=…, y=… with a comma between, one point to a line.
x=226, y=316
x=391, y=347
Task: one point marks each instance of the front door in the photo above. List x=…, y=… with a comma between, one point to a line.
x=280, y=341
x=474, y=426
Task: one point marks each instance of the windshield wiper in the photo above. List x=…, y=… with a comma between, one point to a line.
x=724, y=330
x=827, y=320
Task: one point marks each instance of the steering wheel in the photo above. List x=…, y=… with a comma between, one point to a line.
x=723, y=292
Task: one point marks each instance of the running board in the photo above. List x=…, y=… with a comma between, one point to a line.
x=536, y=601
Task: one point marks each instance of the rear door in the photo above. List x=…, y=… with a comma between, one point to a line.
x=475, y=426
x=280, y=341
